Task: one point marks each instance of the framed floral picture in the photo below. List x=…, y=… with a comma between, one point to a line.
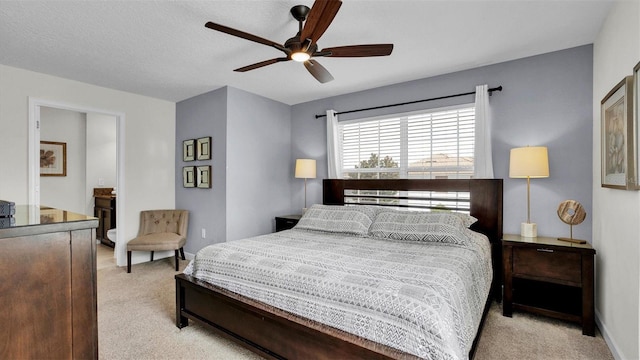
x=53, y=158
x=617, y=130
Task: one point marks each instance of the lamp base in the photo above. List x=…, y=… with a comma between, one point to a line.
x=572, y=240
x=528, y=230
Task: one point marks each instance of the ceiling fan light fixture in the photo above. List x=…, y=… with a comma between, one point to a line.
x=300, y=56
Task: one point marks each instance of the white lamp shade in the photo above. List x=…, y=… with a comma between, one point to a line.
x=530, y=161
x=305, y=168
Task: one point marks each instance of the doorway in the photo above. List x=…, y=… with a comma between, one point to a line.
x=36, y=108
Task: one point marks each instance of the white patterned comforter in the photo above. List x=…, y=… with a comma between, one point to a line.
x=423, y=298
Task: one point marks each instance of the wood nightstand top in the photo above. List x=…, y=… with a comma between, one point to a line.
x=290, y=217
x=545, y=241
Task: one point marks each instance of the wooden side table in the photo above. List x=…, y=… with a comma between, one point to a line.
x=549, y=277
x=286, y=222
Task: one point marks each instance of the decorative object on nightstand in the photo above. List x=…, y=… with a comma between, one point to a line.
x=305, y=169
x=571, y=212
x=529, y=162
x=286, y=222
x=549, y=277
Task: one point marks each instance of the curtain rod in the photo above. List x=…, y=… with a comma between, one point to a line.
x=499, y=88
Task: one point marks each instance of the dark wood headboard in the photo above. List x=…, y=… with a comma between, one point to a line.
x=484, y=203
x=485, y=200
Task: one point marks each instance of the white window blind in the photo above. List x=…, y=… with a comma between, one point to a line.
x=434, y=144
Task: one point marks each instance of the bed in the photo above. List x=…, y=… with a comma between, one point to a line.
x=271, y=322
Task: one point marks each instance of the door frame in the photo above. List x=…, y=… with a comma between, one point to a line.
x=34, y=160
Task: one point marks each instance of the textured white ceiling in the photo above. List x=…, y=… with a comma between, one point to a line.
x=162, y=49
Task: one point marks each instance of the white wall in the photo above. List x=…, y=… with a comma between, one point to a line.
x=65, y=192
x=149, y=140
x=101, y=155
x=616, y=213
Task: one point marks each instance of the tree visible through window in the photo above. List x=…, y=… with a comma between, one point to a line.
x=431, y=144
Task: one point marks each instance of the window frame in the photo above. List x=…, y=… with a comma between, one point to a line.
x=403, y=169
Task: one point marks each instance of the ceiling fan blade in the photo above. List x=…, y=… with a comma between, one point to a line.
x=318, y=71
x=261, y=64
x=320, y=17
x=358, y=50
x=244, y=35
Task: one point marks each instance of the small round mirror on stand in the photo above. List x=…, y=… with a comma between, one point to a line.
x=571, y=212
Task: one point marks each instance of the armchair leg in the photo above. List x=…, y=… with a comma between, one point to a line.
x=152, y=256
x=177, y=261
x=128, y=261
x=182, y=253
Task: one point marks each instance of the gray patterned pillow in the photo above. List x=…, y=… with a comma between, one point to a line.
x=420, y=226
x=467, y=219
x=338, y=219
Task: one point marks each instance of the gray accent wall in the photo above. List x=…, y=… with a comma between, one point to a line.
x=251, y=170
x=204, y=115
x=546, y=101
x=259, y=172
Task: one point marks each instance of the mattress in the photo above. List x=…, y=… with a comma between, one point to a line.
x=423, y=298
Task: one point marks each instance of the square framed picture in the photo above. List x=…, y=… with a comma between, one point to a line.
x=203, y=148
x=189, y=176
x=617, y=130
x=203, y=176
x=53, y=158
x=188, y=150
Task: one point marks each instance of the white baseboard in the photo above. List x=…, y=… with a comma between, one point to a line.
x=608, y=339
x=189, y=256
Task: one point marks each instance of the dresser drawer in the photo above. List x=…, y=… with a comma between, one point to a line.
x=552, y=265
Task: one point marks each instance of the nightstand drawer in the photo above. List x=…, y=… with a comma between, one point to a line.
x=547, y=264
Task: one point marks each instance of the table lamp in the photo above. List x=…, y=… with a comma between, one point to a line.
x=529, y=162
x=305, y=169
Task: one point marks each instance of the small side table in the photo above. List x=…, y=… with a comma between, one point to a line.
x=549, y=277
x=286, y=222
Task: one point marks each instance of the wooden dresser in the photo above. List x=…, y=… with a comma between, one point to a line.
x=48, y=307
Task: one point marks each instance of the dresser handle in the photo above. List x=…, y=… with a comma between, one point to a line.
x=545, y=250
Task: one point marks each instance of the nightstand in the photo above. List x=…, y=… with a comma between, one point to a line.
x=549, y=277
x=286, y=222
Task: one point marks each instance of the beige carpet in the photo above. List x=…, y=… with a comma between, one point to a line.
x=136, y=320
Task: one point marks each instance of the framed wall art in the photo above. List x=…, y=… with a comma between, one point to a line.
x=617, y=131
x=188, y=150
x=189, y=176
x=203, y=148
x=203, y=176
x=53, y=158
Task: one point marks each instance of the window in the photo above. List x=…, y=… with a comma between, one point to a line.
x=433, y=144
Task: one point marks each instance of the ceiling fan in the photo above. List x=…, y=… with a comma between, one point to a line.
x=312, y=23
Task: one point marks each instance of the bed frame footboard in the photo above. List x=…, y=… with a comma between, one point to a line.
x=268, y=334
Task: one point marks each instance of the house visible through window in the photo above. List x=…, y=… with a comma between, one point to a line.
x=433, y=144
